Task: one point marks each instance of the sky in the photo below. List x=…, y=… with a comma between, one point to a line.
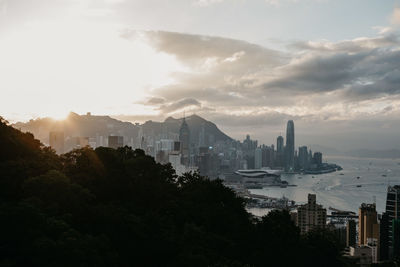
x=333, y=66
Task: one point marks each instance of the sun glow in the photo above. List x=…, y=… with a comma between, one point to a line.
x=77, y=66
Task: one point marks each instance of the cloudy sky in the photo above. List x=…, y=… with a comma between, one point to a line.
x=333, y=66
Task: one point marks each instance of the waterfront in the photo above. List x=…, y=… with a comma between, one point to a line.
x=341, y=189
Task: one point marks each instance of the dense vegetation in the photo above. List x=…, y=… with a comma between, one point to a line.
x=108, y=207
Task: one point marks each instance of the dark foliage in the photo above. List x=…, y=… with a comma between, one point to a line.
x=109, y=207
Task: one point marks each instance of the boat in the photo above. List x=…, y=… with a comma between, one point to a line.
x=384, y=175
x=313, y=177
x=358, y=177
x=359, y=185
x=299, y=177
x=342, y=174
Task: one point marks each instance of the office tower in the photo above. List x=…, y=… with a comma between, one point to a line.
x=351, y=233
x=258, y=158
x=289, y=148
x=279, y=144
x=384, y=237
x=367, y=223
x=303, y=157
x=396, y=238
x=184, y=138
x=392, y=211
x=318, y=158
x=311, y=215
x=115, y=141
x=279, y=152
x=56, y=140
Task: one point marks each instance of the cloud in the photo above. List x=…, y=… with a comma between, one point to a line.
x=179, y=105
x=395, y=19
x=242, y=85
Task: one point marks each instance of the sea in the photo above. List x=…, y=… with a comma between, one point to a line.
x=362, y=180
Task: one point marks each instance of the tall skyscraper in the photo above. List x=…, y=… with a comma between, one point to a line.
x=367, y=223
x=392, y=211
x=289, y=148
x=279, y=144
x=311, y=215
x=56, y=140
x=303, y=157
x=384, y=237
x=396, y=238
x=279, y=152
x=184, y=138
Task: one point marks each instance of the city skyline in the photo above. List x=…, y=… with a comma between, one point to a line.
x=250, y=76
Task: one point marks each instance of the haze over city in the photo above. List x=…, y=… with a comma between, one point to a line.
x=248, y=66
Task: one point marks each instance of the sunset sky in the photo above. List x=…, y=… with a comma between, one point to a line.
x=333, y=66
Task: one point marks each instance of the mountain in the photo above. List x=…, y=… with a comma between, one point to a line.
x=91, y=126
x=78, y=125
x=199, y=129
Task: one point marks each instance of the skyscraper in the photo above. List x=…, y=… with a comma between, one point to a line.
x=384, y=237
x=289, y=148
x=303, y=157
x=279, y=151
x=367, y=223
x=392, y=211
x=184, y=138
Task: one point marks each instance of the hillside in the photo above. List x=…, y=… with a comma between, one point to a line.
x=91, y=125
x=197, y=126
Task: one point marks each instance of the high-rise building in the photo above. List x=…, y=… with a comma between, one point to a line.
x=289, y=148
x=318, y=158
x=115, y=141
x=384, y=237
x=311, y=215
x=367, y=223
x=279, y=144
x=280, y=152
x=258, y=158
x=351, y=233
x=303, y=157
x=396, y=238
x=56, y=140
x=267, y=157
x=392, y=211
x=184, y=138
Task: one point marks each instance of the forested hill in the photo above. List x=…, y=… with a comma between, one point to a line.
x=108, y=207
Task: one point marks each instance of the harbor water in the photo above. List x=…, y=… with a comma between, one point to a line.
x=362, y=180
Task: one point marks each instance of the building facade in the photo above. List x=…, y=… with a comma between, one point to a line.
x=367, y=223
x=289, y=148
x=311, y=216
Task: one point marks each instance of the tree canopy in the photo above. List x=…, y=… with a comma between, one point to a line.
x=108, y=207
